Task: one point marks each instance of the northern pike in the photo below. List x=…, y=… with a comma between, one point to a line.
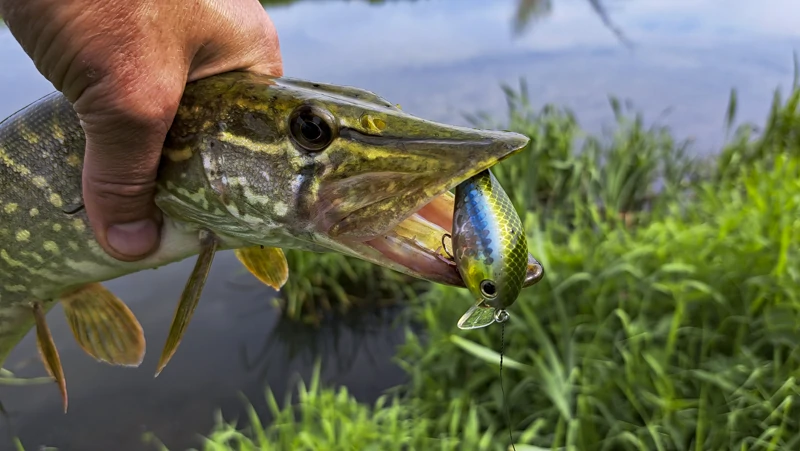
x=252, y=163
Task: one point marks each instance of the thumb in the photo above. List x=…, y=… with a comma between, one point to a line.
x=124, y=138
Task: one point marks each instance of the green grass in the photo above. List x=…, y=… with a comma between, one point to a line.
x=333, y=420
x=668, y=319
x=680, y=334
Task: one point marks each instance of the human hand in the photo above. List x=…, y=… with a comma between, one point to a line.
x=124, y=66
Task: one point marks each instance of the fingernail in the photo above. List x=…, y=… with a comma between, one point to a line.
x=133, y=238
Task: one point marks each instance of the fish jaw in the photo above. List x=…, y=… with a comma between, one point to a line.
x=414, y=247
x=400, y=222
x=365, y=200
x=420, y=246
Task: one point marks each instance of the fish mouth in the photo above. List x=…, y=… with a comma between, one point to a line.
x=409, y=231
x=420, y=246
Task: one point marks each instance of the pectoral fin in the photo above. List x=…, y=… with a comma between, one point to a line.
x=189, y=297
x=104, y=326
x=268, y=264
x=48, y=352
x=479, y=315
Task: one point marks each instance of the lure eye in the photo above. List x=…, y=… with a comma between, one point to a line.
x=488, y=289
x=312, y=128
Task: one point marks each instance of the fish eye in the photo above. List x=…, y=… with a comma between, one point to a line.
x=312, y=128
x=488, y=289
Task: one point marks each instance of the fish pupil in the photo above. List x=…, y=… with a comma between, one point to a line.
x=310, y=130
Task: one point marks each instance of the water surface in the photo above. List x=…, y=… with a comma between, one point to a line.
x=438, y=59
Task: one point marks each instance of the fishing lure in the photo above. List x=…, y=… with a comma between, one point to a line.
x=490, y=249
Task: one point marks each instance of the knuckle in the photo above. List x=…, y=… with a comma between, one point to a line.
x=122, y=190
x=139, y=102
x=147, y=110
x=119, y=201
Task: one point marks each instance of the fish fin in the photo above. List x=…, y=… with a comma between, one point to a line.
x=104, y=326
x=48, y=352
x=478, y=316
x=268, y=264
x=189, y=298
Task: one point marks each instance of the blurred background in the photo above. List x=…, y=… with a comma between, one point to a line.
x=660, y=191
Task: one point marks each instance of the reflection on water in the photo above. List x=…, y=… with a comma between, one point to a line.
x=529, y=11
x=438, y=59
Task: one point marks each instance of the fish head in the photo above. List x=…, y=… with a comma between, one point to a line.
x=291, y=163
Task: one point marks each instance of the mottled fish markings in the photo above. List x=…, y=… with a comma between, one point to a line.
x=251, y=163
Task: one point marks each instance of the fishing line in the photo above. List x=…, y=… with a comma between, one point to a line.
x=501, y=317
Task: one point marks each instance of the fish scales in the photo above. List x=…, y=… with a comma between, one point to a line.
x=41, y=150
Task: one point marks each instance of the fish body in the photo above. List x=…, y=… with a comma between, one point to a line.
x=490, y=248
x=252, y=163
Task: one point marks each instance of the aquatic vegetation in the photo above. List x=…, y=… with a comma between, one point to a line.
x=334, y=420
x=8, y=378
x=679, y=334
x=669, y=318
x=323, y=282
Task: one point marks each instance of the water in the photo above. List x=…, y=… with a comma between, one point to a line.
x=236, y=343
x=438, y=59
